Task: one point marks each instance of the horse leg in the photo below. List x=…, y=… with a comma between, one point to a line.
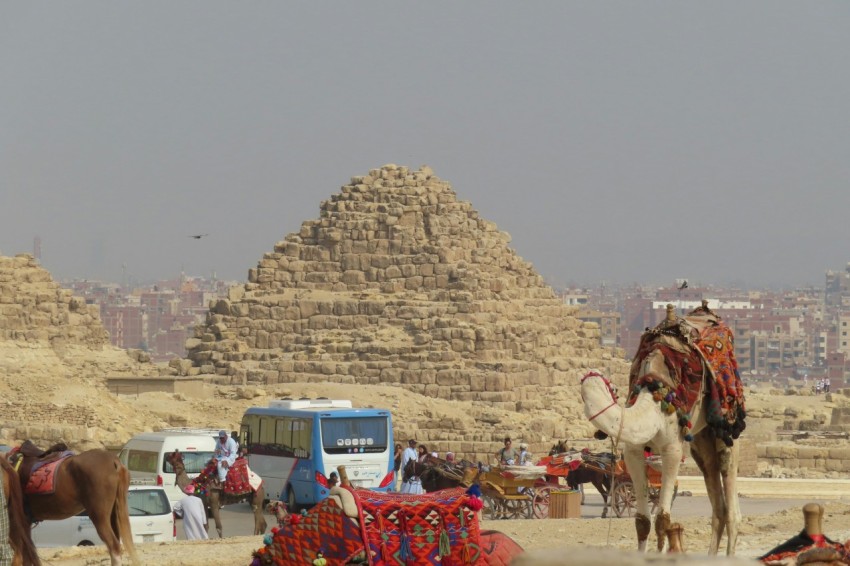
x=635, y=463
x=598, y=481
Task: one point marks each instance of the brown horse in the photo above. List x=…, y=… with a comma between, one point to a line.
x=215, y=499
x=96, y=482
x=435, y=474
x=20, y=538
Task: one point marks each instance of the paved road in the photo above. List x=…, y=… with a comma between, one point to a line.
x=238, y=519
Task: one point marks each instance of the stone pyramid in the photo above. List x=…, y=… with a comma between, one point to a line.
x=399, y=282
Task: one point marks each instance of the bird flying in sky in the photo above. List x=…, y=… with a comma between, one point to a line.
x=684, y=285
x=198, y=236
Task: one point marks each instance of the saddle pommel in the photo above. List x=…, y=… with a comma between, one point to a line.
x=671, y=313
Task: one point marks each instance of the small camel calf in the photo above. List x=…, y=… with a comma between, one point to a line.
x=278, y=509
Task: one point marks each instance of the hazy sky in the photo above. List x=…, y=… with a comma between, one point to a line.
x=629, y=141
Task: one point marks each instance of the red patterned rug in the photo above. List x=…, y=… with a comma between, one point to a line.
x=391, y=529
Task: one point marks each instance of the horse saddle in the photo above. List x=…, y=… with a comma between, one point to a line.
x=37, y=468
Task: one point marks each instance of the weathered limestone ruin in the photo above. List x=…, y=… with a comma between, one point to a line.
x=54, y=355
x=399, y=282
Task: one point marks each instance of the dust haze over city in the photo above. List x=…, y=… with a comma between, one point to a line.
x=615, y=142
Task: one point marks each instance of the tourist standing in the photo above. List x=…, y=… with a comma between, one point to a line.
x=397, y=467
x=508, y=454
x=410, y=484
x=191, y=509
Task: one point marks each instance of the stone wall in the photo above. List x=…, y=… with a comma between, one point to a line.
x=835, y=458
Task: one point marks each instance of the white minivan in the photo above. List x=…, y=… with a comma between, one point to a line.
x=144, y=455
x=151, y=520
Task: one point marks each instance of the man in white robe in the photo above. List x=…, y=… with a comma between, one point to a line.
x=191, y=510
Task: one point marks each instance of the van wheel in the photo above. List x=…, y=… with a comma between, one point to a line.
x=291, y=504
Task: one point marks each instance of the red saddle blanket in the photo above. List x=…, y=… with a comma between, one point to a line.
x=43, y=478
x=236, y=482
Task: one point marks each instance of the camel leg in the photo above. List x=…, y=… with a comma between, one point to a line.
x=704, y=451
x=671, y=459
x=729, y=473
x=215, y=507
x=636, y=465
x=257, y=507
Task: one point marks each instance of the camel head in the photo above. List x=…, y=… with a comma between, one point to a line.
x=637, y=424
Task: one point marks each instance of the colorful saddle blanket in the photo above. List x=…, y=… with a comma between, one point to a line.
x=42, y=480
x=390, y=529
x=698, y=351
x=240, y=480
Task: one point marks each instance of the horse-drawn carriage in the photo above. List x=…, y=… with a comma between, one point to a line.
x=623, y=491
x=511, y=492
x=605, y=471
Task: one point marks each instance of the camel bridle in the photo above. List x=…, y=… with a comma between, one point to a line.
x=607, y=383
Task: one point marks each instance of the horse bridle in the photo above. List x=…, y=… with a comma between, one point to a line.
x=610, y=390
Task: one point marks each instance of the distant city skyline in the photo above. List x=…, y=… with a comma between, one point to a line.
x=618, y=142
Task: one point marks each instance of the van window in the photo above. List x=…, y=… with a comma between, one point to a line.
x=144, y=502
x=195, y=462
x=142, y=461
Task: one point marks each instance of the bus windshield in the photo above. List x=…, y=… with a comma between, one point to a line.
x=352, y=435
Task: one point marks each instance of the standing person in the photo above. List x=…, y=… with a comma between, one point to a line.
x=397, y=467
x=191, y=509
x=225, y=454
x=410, y=484
x=508, y=454
x=423, y=453
x=524, y=458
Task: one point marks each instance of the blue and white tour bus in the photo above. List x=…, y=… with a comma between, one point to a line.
x=294, y=445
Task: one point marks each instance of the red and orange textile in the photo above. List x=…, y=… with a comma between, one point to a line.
x=429, y=528
x=391, y=529
x=42, y=480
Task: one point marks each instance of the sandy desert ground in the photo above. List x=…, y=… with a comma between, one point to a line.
x=758, y=533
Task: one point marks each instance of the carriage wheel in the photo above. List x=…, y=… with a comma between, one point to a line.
x=655, y=496
x=515, y=508
x=540, y=503
x=491, y=509
x=623, y=498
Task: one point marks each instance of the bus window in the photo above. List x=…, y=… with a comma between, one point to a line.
x=354, y=435
x=302, y=436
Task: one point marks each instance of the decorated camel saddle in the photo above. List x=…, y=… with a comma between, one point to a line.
x=383, y=529
x=699, y=354
x=37, y=468
x=240, y=480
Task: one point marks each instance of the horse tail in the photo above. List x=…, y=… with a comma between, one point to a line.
x=121, y=512
x=20, y=534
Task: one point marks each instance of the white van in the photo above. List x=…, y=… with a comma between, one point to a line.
x=144, y=455
x=151, y=520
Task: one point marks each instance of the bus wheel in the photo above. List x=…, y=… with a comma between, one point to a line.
x=290, y=501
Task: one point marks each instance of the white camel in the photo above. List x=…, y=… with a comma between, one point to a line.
x=645, y=424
